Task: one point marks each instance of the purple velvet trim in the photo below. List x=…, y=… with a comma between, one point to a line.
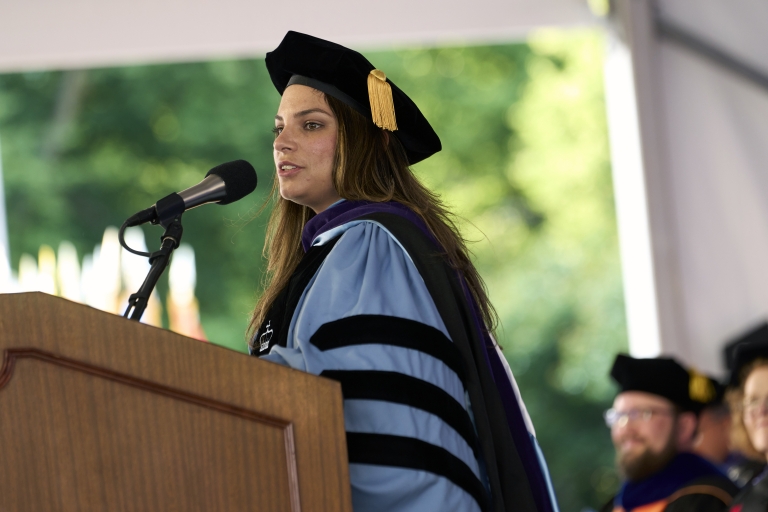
x=681, y=471
x=348, y=211
x=517, y=427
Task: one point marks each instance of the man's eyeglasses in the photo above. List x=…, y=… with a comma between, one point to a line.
x=614, y=418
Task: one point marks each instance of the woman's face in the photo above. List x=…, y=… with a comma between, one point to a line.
x=304, y=148
x=756, y=408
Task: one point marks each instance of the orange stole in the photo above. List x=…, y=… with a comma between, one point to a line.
x=656, y=506
x=659, y=506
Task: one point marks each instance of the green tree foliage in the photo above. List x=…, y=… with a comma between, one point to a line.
x=84, y=150
x=525, y=166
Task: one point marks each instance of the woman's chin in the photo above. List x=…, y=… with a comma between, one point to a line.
x=288, y=194
x=298, y=200
x=759, y=440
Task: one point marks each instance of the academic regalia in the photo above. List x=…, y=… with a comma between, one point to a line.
x=743, y=349
x=688, y=389
x=348, y=76
x=740, y=469
x=753, y=498
x=433, y=416
x=689, y=483
x=741, y=352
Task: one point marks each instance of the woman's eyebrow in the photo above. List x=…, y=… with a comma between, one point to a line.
x=305, y=112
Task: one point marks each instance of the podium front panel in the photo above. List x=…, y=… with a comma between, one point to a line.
x=100, y=413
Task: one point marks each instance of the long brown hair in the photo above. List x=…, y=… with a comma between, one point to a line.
x=371, y=165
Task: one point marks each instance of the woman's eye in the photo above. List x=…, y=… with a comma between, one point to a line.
x=312, y=126
x=277, y=130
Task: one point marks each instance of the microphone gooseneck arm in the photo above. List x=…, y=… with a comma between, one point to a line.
x=158, y=260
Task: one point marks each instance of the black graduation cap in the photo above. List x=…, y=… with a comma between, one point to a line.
x=348, y=76
x=663, y=376
x=744, y=354
x=745, y=349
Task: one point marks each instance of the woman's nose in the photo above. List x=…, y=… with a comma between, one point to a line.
x=284, y=141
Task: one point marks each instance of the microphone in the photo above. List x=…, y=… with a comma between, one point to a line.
x=224, y=184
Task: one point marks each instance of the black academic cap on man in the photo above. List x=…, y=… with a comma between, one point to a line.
x=744, y=349
x=348, y=76
x=665, y=377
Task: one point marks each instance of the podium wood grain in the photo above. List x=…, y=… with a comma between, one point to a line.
x=101, y=413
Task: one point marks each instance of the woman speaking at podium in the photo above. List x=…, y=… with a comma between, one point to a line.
x=370, y=283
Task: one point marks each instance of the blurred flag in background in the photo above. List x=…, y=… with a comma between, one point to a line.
x=107, y=277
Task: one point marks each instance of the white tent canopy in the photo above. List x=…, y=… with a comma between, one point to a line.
x=38, y=34
x=693, y=196
x=689, y=135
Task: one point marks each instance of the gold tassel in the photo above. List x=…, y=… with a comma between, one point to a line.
x=382, y=105
x=700, y=388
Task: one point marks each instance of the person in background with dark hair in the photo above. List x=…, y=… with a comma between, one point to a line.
x=713, y=440
x=653, y=422
x=713, y=434
x=749, y=403
x=370, y=283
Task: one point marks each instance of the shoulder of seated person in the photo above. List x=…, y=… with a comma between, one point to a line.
x=707, y=494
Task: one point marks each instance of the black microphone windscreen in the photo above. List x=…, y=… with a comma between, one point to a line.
x=239, y=178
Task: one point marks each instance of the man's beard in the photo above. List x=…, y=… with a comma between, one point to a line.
x=636, y=467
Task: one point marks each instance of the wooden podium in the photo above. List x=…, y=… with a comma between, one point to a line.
x=99, y=413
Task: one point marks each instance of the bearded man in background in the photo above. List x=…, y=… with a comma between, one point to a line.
x=653, y=423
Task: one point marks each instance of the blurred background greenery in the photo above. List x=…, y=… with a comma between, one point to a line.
x=525, y=166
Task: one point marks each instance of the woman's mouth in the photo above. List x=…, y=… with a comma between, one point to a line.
x=287, y=169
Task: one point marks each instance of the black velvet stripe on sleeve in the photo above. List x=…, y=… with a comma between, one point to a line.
x=407, y=452
x=404, y=389
x=513, y=489
x=390, y=330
